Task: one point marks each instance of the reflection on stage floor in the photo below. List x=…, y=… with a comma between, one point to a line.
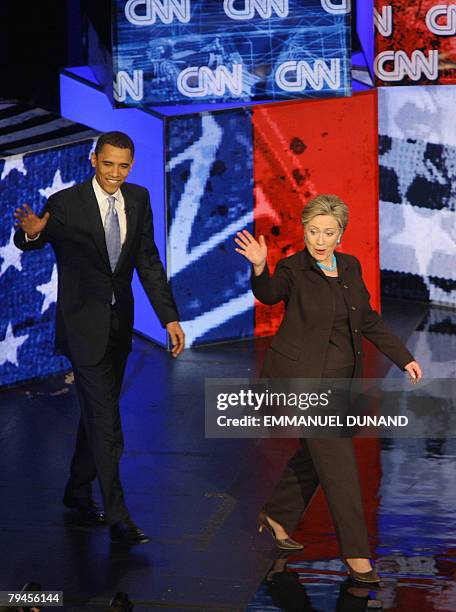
x=198, y=498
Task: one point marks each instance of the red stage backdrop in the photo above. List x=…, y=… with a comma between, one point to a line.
x=302, y=149
x=415, y=42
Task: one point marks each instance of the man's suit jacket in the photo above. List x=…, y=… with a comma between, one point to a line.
x=298, y=349
x=86, y=283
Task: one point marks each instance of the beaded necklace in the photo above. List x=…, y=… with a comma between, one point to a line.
x=330, y=268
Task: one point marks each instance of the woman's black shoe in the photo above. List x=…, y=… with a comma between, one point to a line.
x=364, y=577
x=285, y=544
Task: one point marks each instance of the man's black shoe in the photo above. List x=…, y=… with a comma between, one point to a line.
x=87, y=509
x=127, y=533
x=120, y=603
x=34, y=587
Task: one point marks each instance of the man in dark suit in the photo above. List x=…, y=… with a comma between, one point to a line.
x=101, y=230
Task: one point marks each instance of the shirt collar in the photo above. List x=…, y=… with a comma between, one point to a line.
x=101, y=194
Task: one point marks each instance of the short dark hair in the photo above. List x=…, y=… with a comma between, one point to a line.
x=115, y=139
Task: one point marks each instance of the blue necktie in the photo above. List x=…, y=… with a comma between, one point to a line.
x=112, y=233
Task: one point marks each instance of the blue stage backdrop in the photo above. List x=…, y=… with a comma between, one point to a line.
x=28, y=281
x=193, y=51
x=417, y=203
x=210, y=197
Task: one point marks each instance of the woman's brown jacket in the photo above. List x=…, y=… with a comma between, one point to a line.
x=298, y=349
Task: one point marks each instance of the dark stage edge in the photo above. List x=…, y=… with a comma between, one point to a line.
x=197, y=498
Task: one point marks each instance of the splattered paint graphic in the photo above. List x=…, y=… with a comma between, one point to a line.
x=209, y=185
x=422, y=36
x=301, y=150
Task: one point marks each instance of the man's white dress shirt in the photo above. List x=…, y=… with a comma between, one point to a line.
x=102, y=199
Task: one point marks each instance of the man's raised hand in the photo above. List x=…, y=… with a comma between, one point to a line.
x=29, y=222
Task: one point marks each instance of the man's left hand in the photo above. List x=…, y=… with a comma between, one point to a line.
x=177, y=337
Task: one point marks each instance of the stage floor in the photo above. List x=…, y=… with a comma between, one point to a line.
x=198, y=498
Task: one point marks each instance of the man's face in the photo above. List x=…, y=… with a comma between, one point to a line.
x=112, y=166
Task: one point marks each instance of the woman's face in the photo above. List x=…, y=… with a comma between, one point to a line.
x=320, y=235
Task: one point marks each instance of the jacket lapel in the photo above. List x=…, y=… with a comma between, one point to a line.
x=92, y=215
x=310, y=266
x=342, y=265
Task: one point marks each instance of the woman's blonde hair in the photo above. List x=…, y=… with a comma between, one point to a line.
x=326, y=205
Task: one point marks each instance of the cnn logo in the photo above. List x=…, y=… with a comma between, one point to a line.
x=393, y=66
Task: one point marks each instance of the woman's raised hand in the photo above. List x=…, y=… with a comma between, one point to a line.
x=253, y=250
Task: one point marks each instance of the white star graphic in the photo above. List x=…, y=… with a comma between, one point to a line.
x=428, y=360
x=57, y=185
x=92, y=150
x=426, y=231
x=49, y=290
x=16, y=162
x=11, y=255
x=202, y=154
x=440, y=295
x=10, y=345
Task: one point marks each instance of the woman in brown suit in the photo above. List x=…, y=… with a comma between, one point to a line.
x=327, y=313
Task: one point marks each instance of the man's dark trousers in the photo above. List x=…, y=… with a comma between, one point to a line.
x=99, y=442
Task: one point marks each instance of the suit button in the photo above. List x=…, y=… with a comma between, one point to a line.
x=353, y=307
x=355, y=331
x=358, y=352
x=345, y=287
